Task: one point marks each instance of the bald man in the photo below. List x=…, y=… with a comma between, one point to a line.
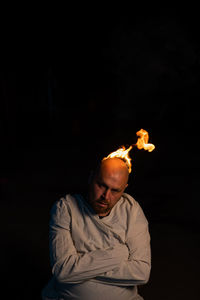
x=99, y=246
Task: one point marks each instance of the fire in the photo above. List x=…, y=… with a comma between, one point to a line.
x=122, y=153
x=142, y=143
x=143, y=139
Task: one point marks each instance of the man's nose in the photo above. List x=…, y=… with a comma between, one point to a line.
x=106, y=194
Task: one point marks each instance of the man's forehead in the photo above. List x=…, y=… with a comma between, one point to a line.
x=114, y=167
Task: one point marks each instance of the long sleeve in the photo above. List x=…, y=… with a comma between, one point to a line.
x=70, y=266
x=136, y=269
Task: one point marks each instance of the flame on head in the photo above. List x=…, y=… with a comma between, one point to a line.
x=123, y=153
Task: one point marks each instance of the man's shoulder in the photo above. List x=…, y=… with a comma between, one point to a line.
x=135, y=208
x=61, y=212
x=130, y=200
x=66, y=199
x=63, y=203
x=131, y=204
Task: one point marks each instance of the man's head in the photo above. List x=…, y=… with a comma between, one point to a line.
x=108, y=184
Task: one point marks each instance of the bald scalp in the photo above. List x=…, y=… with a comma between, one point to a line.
x=115, y=166
x=114, y=163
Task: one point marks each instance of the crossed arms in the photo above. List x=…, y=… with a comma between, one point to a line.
x=125, y=264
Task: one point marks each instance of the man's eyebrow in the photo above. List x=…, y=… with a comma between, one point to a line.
x=101, y=182
x=116, y=190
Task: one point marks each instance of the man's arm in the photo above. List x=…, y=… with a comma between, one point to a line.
x=136, y=269
x=69, y=266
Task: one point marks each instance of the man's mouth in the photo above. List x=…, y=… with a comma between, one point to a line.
x=102, y=204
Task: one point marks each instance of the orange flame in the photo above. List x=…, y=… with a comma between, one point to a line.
x=123, y=153
x=143, y=139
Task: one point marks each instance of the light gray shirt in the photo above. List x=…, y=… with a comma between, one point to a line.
x=94, y=258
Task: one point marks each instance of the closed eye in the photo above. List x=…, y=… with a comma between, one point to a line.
x=116, y=191
x=101, y=184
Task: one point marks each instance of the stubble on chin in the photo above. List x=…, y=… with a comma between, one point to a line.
x=100, y=210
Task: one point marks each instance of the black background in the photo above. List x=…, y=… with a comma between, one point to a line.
x=75, y=86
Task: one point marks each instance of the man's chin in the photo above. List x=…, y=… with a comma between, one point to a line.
x=101, y=211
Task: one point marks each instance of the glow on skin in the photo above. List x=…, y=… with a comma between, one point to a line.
x=108, y=185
